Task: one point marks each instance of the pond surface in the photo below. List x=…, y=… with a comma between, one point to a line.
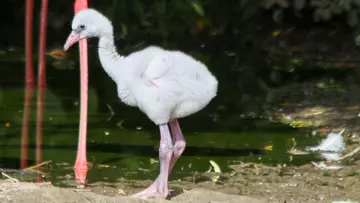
x=116, y=153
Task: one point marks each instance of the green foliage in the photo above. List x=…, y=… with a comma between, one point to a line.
x=178, y=17
x=322, y=10
x=164, y=15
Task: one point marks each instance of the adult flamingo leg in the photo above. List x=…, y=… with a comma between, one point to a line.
x=81, y=167
x=179, y=144
x=29, y=74
x=41, y=83
x=29, y=81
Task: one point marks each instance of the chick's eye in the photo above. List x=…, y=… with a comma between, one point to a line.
x=82, y=27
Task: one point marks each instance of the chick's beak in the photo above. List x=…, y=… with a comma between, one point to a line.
x=71, y=40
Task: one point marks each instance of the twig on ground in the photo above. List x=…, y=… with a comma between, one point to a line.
x=350, y=154
x=10, y=178
x=38, y=165
x=20, y=171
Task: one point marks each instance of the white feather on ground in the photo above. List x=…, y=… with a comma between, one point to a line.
x=331, y=147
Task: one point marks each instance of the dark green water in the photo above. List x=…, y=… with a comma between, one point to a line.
x=116, y=152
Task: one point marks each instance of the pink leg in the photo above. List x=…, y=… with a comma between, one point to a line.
x=81, y=166
x=41, y=83
x=29, y=80
x=179, y=142
x=178, y=149
x=159, y=189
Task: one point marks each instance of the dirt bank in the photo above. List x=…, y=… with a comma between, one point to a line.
x=45, y=192
x=247, y=183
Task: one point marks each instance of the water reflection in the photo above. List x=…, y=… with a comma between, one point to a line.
x=115, y=153
x=25, y=125
x=39, y=126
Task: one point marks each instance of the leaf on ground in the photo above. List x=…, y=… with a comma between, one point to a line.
x=268, y=147
x=217, y=169
x=153, y=161
x=215, y=166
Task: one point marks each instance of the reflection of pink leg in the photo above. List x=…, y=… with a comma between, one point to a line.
x=25, y=126
x=159, y=189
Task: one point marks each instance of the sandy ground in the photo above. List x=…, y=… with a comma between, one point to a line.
x=247, y=184
x=45, y=192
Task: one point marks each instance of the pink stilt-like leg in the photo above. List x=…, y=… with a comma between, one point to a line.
x=41, y=83
x=29, y=81
x=29, y=72
x=159, y=188
x=81, y=166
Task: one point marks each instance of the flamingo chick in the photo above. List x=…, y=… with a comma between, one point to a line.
x=165, y=85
